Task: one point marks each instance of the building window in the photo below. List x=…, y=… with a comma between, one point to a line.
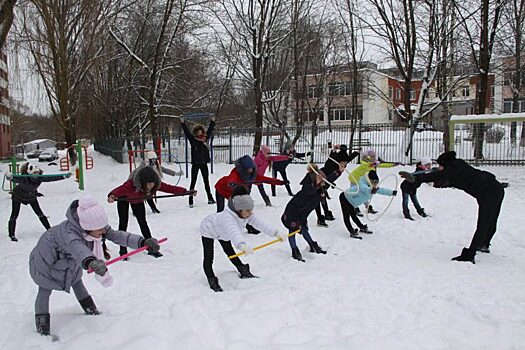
x=336, y=89
x=507, y=107
x=412, y=95
x=465, y=91
x=398, y=93
x=338, y=114
x=312, y=91
x=390, y=92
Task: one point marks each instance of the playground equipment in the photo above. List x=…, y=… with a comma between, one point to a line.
x=14, y=168
x=79, y=170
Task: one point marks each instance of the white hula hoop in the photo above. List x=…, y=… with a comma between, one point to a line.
x=176, y=161
x=389, y=203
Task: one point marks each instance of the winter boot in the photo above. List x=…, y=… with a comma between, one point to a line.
x=329, y=216
x=89, y=306
x=211, y=200
x=408, y=217
x=155, y=254
x=296, y=254
x=214, y=284
x=466, y=255
x=484, y=249
x=365, y=229
x=267, y=202
x=43, y=323
x=190, y=201
x=155, y=211
x=371, y=210
x=358, y=212
x=422, y=213
x=44, y=221
x=355, y=234
x=321, y=222
x=244, y=271
x=11, y=230
x=314, y=248
x=252, y=230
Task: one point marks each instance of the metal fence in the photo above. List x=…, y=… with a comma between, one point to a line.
x=389, y=141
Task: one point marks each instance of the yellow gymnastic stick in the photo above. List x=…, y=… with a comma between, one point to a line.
x=264, y=245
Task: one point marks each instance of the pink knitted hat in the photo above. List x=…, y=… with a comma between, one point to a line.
x=91, y=215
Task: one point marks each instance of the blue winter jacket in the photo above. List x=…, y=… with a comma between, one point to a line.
x=364, y=194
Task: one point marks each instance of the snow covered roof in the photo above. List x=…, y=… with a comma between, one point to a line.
x=485, y=117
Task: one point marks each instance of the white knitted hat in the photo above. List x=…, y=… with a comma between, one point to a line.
x=91, y=215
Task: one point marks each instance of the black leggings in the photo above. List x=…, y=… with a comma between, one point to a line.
x=207, y=264
x=15, y=211
x=139, y=211
x=488, y=213
x=349, y=211
x=194, y=173
x=285, y=179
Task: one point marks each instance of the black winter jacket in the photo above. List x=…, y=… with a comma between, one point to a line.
x=305, y=201
x=200, y=151
x=330, y=166
x=411, y=187
x=26, y=188
x=462, y=176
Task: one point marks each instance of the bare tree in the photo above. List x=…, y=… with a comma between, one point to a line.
x=255, y=26
x=6, y=18
x=414, y=40
x=480, y=31
x=513, y=42
x=162, y=61
x=64, y=39
x=355, y=49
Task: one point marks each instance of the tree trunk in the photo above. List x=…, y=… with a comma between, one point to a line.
x=6, y=19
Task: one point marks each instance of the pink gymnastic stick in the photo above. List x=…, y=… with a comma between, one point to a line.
x=114, y=260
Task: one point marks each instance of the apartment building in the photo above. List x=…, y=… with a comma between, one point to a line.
x=380, y=97
x=5, y=122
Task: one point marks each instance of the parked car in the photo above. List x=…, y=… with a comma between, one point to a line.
x=48, y=155
x=34, y=154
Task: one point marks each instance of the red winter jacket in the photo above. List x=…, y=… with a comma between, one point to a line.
x=226, y=184
x=128, y=189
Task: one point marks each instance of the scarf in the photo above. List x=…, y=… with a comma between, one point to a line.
x=98, y=251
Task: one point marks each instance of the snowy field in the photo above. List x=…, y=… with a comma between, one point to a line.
x=395, y=289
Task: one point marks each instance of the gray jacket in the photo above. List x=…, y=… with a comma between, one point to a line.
x=57, y=260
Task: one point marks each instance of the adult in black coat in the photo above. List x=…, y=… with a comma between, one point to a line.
x=200, y=154
x=481, y=185
x=295, y=216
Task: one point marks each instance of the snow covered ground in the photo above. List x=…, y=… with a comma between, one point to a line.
x=395, y=289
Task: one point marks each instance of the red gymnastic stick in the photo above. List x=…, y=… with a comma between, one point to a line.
x=112, y=261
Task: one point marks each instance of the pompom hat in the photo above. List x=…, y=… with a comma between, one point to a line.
x=91, y=215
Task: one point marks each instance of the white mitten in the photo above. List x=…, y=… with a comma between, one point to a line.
x=282, y=236
x=246, y=248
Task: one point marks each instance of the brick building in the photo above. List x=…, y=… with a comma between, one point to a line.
x=5, y=122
